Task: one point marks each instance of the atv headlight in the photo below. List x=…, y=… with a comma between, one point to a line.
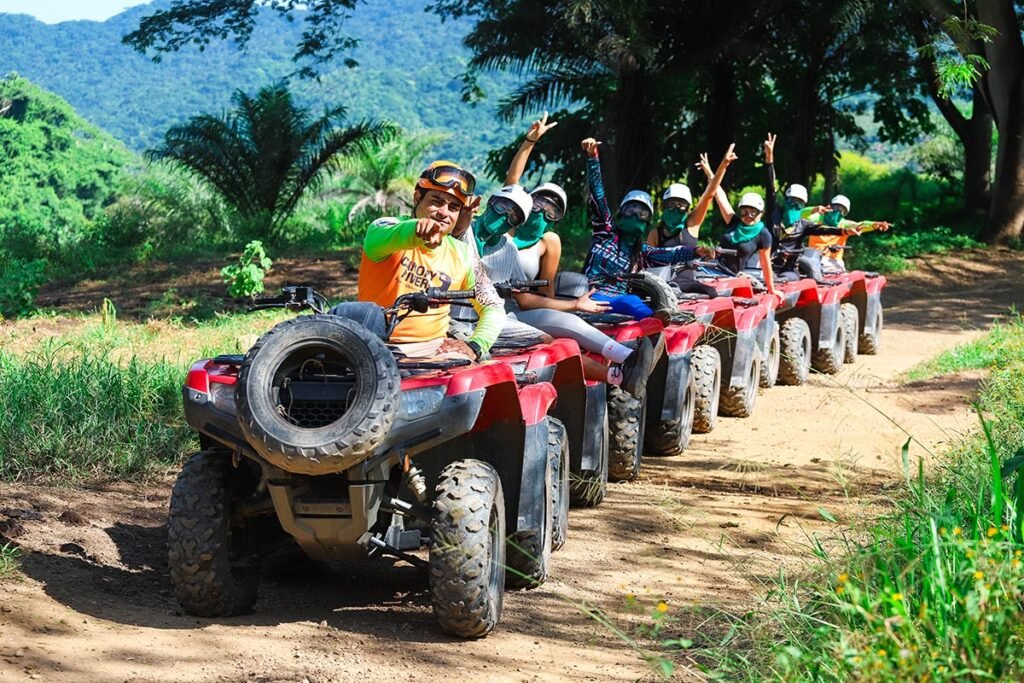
x=418, y=403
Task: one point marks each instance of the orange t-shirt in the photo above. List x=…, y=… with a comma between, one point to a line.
x=414, y=269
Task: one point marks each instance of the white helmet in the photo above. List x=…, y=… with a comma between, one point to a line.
x=553, y=190
x=753, y=200
x=797, y=191
x=841, y=200
x=638, y=196
x=678, y=191
x=518, y=196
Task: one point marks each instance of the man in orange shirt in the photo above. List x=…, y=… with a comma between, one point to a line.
x=410, y=255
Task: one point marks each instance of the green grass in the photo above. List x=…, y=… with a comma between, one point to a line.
x=70, y=415
x=930, y=591
x=9, y=560
x=996, y=349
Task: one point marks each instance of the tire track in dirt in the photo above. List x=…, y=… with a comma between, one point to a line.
x=704, y=531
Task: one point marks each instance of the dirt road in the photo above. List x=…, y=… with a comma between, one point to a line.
x=703, y=530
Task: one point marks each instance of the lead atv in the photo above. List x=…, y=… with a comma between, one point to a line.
x=323, y=435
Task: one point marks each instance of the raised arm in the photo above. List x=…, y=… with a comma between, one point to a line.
x=518, y=165
x=597, y=202
x=700, y=212
x=771, y=187
x=724, y=207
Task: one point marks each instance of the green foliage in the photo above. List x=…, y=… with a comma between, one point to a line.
x=245, y=278
x=997, y=349
x=264, y=155
x=401, y=74
x=20, y=279
x=72, y=415
x=931, y=591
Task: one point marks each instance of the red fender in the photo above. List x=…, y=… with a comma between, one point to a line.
x=535, y=400
x=680, y=339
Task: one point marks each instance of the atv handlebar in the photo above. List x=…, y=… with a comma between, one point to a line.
x=449, y=294
x=421, y=302
x=507, y=289
x=294, y=298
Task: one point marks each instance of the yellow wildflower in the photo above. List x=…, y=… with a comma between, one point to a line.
x=992, y=531
x=662, y=606
x=897, y=597
x=881, y=653
x=1005, y=527
x=979, y=576
x=942, y=531
x=843, y=578
x=956, y=531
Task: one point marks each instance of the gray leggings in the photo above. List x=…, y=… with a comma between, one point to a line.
x=562, y=325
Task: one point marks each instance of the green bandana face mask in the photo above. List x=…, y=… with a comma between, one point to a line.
x=674, y=219
x=790, y=213
x=632, y=228
x=489, y=228
x=530, y=232
x=743, y=233
x=832, y=219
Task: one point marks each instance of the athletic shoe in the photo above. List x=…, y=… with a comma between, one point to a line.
x=637, y=368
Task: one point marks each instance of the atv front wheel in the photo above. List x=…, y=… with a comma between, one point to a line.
x=850, y=320
x=626, y=415
x=558, y=454
x=830, y=361
x=467, y=553
x=211, y=569
x=770, y=366
x=671, y=437
x=740, y=401
x=868, y=343
x=794, y=352
x=706, y=368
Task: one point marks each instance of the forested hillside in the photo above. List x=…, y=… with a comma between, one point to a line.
x=405, y=74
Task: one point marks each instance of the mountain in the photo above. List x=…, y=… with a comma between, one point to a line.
x=409, y=63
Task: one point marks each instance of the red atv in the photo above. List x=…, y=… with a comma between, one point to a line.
x=322, y=435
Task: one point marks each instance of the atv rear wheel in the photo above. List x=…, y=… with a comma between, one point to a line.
x=706, y=368
x=671, y=437
x=211, y=569
x=770, y=365
x=587, y=489
x=740, y=401
x=830, y=361
x=317, y=394
x=626, y=415
x=558, y=454
x=850, y=320
x=658, y=293
x=868, y=343
x=794, y=352
x=467, y=554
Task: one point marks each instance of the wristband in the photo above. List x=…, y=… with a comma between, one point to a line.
x=475, y=348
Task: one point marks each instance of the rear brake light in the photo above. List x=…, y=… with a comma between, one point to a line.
x=198, y=379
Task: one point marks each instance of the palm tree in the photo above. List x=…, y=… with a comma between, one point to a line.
x=380, y=174
x=264, y=154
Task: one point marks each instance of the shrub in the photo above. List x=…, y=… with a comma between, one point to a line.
x=245, y=278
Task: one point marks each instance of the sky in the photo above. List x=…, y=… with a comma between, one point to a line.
x=54, y=11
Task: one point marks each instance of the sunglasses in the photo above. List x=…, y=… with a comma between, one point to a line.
x=450, y=176
x=635, y=210
x=749, y=212
x=508, y=209
x=551, y=210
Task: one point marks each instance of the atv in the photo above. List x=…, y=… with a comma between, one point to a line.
x=323, y=436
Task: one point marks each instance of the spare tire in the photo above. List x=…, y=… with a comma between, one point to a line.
x=317, y=394
x=658, y=292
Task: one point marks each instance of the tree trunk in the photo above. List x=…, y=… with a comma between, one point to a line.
x=1005, y=83
x=1006, y=220
x=631, y=161
x=977, y=141
x=722, y=110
